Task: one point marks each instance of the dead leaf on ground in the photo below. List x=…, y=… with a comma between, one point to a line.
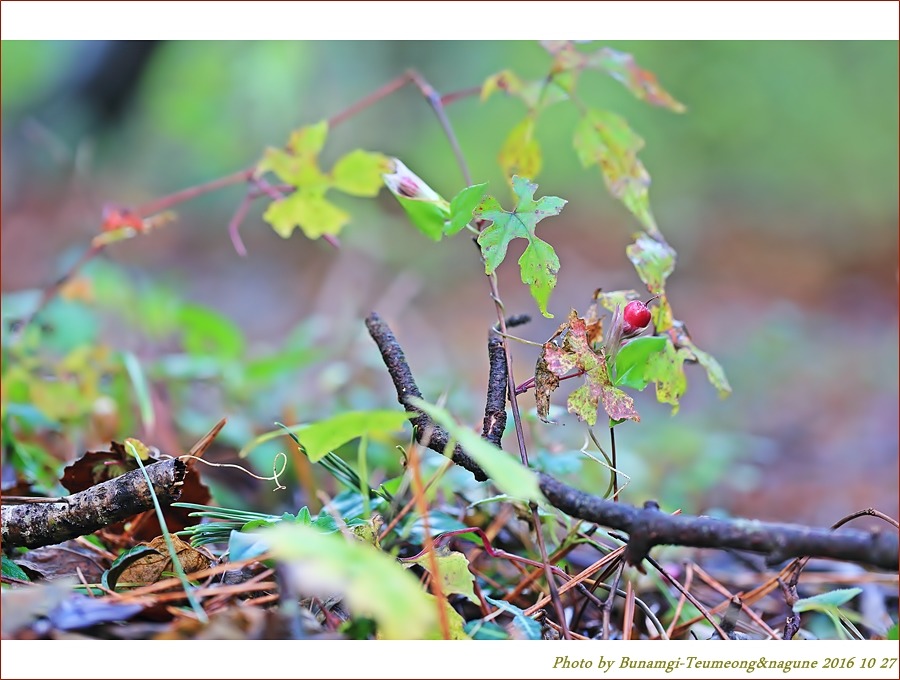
x=150, y=569
x=58, y=561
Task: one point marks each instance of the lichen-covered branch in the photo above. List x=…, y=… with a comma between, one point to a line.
x=32, y=525
x=648, y=527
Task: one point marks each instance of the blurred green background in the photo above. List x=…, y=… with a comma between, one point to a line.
x=777, y=187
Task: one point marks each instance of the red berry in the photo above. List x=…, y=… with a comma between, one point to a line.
x=636, y=314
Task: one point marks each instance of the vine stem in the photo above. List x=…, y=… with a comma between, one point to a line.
x=615, y=469
x=437, y=104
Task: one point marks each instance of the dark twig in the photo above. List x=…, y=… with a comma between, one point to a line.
x=434, y=437
x=501, y=367
x=495, y=404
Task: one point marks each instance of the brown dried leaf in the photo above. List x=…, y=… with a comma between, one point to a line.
x=63, y=560
x=545, y=381
x=150, y=569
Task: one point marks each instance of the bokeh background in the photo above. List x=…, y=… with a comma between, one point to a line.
x=777, y=187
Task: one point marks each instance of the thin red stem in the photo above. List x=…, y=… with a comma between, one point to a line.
x=235, y=224
x=171, y=200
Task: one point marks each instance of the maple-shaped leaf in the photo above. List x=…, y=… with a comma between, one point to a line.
x=521, y=153
x=577, y=353
x=358, y=173
x=654, y=261
x=539, y=264
x=605, y=139
x=642, y=84
x=308, y=209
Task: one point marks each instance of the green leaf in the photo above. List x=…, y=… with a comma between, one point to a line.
x=423, y=205
x=892, y=634
x=428, y=218
x=539, y=264
x=126, y=559
x=528, y=628
x=12, y=570
x=506, y=473
x=462, y=206
x=605, y=139
x=359, y=173
x=372, y=583
x=654, y=261
x=325, y=436
x=632, y=361
x=642, y=84
x=307, y=209
x=453, y=567
x=521, y=153
x=829, y=600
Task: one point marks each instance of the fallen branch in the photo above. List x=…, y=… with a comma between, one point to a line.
x=32, y=525
x=648, y=527
x=426, y=432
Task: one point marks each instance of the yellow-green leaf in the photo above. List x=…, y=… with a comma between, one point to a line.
x=521, y=153
x=507, y=81
x=654, y=261
x=371, y=583
x=320, y=438
x=309, y=139
x=359, y=173
x=605, y=139
x=307, y=209
x=453, y=567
